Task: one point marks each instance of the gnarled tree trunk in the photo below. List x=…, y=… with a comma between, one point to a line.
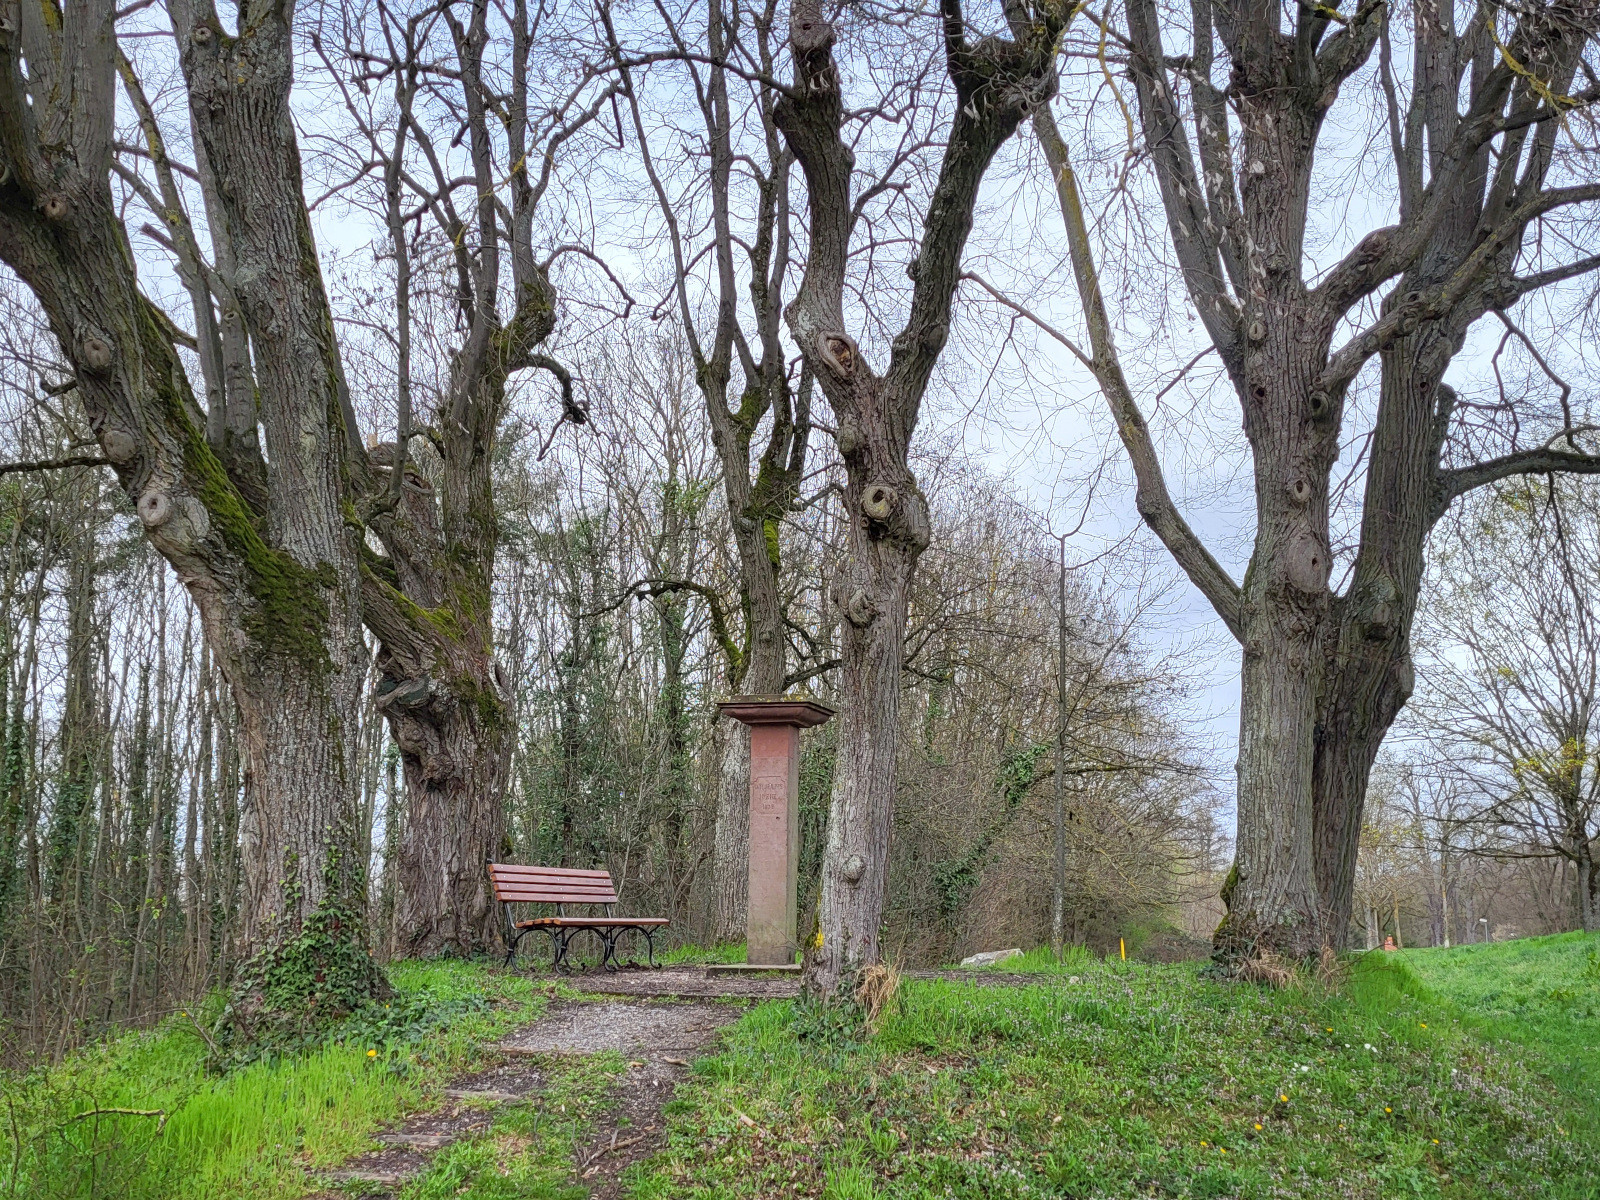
x=997, y=83
x=276, y=585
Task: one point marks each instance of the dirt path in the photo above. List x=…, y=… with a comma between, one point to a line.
x=659, y=1037
x=660, y=1040
x=660, y=1020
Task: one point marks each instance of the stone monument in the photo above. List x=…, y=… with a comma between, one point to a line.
x=775, y=724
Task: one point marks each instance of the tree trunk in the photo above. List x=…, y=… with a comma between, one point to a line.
x=872, y=588
x=431, y=601
x=730, y=874
x=276, y=589
x=456, y=760
x=997, y=83
x=1585, y=884
x=1367, y=675
x=1271, y=894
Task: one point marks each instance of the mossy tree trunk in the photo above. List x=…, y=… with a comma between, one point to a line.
x=429, y=596
x=996, y=84
x=272, y=570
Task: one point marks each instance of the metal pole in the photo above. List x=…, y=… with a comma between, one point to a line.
x=1056, y=912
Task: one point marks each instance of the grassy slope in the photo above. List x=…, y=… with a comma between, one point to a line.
x=1540, y=995
x=252, y=1132
x=1111, y=1080
x=1122, y=1080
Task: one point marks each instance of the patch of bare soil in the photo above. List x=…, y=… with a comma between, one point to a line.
x=661, y=1040
x=405, y=1148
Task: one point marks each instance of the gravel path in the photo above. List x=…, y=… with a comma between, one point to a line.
x=588, y=1027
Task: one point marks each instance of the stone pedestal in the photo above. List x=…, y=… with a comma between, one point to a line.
x=775, y=724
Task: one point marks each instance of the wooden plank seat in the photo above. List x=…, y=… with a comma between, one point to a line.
x=560, y=887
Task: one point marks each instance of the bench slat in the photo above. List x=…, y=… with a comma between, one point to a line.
x=512, y=870
x=546, y=885
x=523, y=896
x=571, y=885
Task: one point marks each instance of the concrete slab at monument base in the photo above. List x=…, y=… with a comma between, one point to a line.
x=735, y=968
x=775, y=724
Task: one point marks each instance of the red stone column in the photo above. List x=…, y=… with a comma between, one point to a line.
x=775, y=725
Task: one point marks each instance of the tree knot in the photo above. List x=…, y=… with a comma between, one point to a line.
x=860, y=610
x=877, y=503
x=838, y=353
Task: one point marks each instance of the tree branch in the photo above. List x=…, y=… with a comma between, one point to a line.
x=1544, y=460
x=56, y=464
x=1154, y=502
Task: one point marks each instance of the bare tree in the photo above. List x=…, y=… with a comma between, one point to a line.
x=1511, y=686
x=456, y=74
x=996, y=83
x=759, y=429
x=1481, y=168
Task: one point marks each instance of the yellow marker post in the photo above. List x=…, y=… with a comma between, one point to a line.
x=1123, y=946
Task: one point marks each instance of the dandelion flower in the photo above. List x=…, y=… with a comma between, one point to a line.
x=1203, y=1142
x=1258, y=1124
x=1388, y=1109
x=1424, y=1024
x=1330, y=1028
x=1283, y=1098
x=1224, y=1149
x=372, y=1054
x=1435, y=1141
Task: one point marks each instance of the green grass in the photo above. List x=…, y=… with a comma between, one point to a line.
x=528, y=1152
x=1450, y=1074
x=1137, y=1080
x=254, y=1131
x=1537, y=996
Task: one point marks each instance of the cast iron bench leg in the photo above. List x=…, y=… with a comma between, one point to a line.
x=511, y=951
x=558, y=944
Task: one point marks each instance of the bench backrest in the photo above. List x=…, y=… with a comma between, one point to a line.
x=550, y=885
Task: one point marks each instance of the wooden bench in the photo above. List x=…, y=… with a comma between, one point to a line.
x=561, y=887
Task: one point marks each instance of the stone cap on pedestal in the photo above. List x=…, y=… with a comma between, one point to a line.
x=798, y=711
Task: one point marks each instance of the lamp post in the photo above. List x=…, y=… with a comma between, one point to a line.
x=775, y=724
